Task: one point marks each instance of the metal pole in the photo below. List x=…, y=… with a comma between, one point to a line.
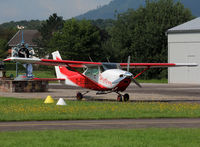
x=22, y=35
x=16, y=69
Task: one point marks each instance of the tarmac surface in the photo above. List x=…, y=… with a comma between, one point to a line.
x=149, y=92
x=100, y=124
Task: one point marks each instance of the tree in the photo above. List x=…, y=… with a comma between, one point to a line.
x=5, y=35
x=141, y=33
x=104, y=24
x=31, y=24
x=48, y=28
x=79, y=40
x=3, y=48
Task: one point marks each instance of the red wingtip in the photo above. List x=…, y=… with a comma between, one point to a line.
x=7, y=59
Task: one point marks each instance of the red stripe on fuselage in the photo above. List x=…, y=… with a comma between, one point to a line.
x=81, y=80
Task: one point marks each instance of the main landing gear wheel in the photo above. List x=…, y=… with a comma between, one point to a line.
x=119, y=98
x=126, y=97
x=79, y=96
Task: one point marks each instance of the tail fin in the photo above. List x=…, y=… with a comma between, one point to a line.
x=56, y=56
x=63, y=72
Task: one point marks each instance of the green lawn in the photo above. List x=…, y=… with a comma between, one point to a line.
x=13, y=109
x=38, y=74
x=152, y=81
x=106, y=138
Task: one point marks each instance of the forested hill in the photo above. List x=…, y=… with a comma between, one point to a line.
x=108, y=11
x=120, y=6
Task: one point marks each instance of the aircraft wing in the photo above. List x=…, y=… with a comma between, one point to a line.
x=81, y=64
x=156, y=65
x=51, y=62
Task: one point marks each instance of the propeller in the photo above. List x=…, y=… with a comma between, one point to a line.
x=137, y=83
x=132, y=78
x=128, y=66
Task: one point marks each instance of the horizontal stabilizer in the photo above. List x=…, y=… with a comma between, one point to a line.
x=48, y=79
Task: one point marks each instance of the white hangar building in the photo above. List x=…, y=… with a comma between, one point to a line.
x=184, y=47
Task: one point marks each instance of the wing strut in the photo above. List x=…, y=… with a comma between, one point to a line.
x=141, y=72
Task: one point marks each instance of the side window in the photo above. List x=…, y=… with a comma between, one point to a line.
x=92, y=71
x=95, y=71
x=88, y=72
x=101, y=69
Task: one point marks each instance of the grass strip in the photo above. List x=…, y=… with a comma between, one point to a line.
x=14, y=109
x=107, y=138
x=162, y=81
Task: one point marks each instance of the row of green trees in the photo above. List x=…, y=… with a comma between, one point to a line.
x=139, y=33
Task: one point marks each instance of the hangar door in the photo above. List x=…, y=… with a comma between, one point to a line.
x=184, y=53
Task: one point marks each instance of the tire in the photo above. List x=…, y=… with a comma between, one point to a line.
x=126, y=97
x=79, y=96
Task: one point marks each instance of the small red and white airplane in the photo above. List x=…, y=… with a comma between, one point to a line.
x=101, y=77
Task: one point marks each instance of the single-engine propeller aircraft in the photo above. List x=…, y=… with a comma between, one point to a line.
x=101, y=77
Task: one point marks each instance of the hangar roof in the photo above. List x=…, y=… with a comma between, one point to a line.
x=29, y=36
x=188, y=27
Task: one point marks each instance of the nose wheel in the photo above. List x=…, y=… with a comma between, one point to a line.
x=124, y=97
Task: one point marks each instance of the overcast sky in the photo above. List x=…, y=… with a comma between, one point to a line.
x=16, y=10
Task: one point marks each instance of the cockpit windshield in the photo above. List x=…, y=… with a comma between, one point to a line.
x=107, y=66
x=93, y=71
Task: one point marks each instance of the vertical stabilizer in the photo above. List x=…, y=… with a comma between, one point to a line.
x=56, y=56
x=63, y=72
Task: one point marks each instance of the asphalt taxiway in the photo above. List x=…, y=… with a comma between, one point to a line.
x=100, y=124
